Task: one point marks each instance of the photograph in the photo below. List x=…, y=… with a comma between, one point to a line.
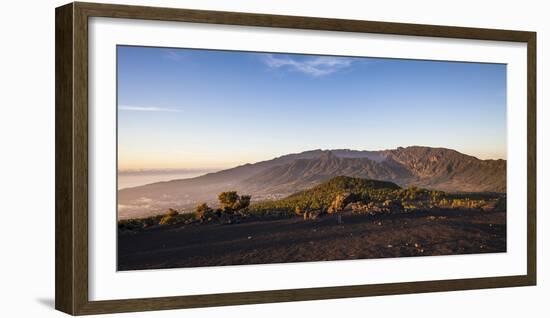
x=247, y=158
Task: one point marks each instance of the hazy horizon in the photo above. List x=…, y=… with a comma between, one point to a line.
x=213, y=110
x=134, y=178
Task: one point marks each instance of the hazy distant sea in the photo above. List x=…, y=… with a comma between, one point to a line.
x=128, y=179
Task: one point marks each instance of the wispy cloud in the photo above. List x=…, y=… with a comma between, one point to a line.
x=147, y=109
x=313, y=66
x=175, y=55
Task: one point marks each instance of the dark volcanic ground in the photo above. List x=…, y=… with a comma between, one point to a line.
x=296, y=240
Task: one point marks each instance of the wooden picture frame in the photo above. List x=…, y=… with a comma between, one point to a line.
x=71, y=90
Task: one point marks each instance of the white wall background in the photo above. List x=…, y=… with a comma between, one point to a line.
x=27, y=158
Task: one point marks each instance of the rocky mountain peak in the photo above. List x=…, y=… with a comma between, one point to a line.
x=327, y=155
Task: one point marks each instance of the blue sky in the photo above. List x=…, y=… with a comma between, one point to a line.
x=184, y=108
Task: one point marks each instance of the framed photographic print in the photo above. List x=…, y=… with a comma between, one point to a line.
x=211, y=158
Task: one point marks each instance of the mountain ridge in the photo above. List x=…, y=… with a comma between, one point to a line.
x=432, y=168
